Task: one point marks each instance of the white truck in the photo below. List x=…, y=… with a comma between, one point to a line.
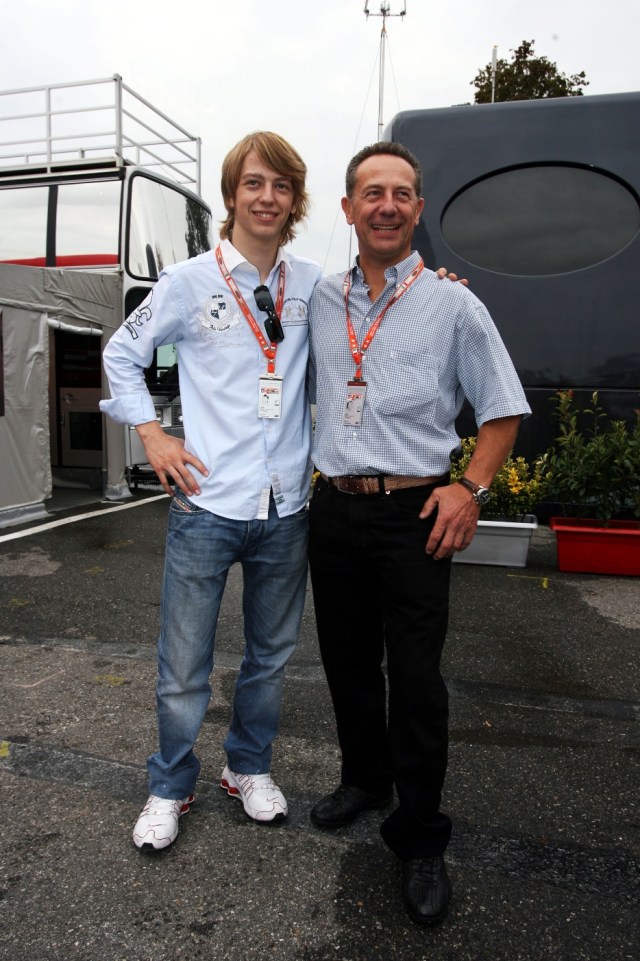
x=99, y=190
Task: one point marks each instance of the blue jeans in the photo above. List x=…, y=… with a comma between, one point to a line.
x=200, y=549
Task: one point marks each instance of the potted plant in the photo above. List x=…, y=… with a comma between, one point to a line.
x=593, y=473
x=506, y=522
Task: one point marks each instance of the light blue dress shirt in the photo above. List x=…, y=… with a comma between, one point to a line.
x=220, y=362
x=435, y=346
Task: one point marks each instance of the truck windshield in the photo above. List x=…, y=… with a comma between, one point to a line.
x=23, y=225
x=87, y=224
x=166, y=227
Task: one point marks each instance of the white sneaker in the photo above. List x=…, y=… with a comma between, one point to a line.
x=157, y=826
x=262, y=799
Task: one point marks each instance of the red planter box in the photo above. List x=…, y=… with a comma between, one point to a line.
x=589, y=547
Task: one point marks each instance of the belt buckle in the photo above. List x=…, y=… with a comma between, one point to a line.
x=346, y=485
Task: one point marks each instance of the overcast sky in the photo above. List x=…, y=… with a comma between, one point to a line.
x=308, y=69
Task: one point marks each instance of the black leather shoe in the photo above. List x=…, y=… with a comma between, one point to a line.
x=426, y=889
x=345, y=804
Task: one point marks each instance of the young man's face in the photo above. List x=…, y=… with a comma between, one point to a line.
x=384, y=209
x=263, y=203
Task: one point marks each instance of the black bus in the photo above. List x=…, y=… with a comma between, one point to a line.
x=537, y=203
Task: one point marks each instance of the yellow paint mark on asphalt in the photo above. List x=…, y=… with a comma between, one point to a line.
x=18, y=602
x=544, y=581
x=5, y=747
x=117, y=545
x=113, y=680
x=93, y=570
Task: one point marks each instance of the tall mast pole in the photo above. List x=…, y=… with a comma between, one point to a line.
x=494, y=67
x=385, y=11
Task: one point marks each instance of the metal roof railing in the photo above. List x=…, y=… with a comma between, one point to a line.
x=93, y=120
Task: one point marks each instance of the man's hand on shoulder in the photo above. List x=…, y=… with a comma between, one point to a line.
x=442, y=273
x=169, y=459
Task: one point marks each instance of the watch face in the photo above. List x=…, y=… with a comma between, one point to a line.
x=483, y=495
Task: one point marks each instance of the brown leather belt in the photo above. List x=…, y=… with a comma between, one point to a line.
x=378, y=483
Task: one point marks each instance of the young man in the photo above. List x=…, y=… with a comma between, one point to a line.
x=239, y=482
x=394, y=352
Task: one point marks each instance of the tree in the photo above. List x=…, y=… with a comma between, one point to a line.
x=527, y=77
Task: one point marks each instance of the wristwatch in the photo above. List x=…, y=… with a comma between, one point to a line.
x=480, y=494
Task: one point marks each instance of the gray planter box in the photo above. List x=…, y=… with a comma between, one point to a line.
x=502, y=543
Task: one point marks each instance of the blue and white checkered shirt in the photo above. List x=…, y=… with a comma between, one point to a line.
x=434, y=347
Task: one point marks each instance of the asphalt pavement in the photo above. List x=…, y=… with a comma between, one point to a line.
x=542, y=787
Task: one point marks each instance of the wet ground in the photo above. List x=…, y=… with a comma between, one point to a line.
x=542, y=788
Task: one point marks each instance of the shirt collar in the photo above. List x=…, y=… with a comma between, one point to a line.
x=233, y=258
x=394, y=274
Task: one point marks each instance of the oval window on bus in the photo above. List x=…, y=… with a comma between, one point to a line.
x=541, y=219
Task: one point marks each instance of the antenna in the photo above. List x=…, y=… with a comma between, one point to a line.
x=494, y=66
x=385, y=11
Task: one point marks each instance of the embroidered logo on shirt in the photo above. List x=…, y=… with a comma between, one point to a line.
x=215, y=314
x=294, y=312
x=140, y=316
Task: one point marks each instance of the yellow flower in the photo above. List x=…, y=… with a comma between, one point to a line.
x=515, y=484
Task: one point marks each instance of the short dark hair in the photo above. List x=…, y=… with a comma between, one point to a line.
x=382, y=147
x=276, y=153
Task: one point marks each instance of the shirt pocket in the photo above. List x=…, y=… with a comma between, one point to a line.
x=408, y=384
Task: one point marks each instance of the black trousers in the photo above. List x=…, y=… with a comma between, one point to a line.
x=377, y=592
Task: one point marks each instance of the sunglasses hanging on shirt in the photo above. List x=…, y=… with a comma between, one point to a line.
x=272, y=324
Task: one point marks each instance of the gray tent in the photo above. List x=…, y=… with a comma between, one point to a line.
x=33, y=301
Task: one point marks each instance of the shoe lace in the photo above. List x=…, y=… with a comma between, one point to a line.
x=256, y=782
x=161, y=805
x=427, y=869
x=340, y=791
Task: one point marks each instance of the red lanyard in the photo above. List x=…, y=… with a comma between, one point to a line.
x=269, y=350
x=358, y=352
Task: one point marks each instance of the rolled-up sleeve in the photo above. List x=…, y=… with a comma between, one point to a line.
x=131, y=349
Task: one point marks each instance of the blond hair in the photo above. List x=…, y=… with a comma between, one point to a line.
x=277, y=154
